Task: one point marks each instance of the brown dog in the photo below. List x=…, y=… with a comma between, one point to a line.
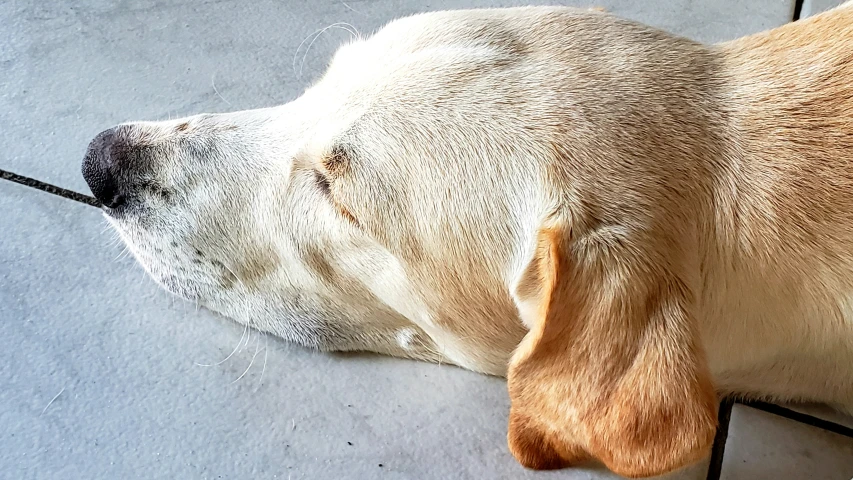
x=623, y=221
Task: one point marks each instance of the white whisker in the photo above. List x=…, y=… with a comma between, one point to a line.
x=340, y=25
x=266, y=353
x=125, y=252
x=257, y=346
x=350, y=8
x=308, y=49
x=52, y=400
x=352, y=30
x=298, y=47
x=213, y=84
x=245, y=330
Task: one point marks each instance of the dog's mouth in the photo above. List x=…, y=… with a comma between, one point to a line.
x=114, y=211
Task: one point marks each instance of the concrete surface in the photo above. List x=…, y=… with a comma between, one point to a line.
x=813, y=7
x=763, y=446
x=103, y=375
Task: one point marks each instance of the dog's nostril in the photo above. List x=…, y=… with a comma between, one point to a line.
x=98, y=170
x=115, y=202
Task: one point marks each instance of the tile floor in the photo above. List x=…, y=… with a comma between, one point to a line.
x=103, y=376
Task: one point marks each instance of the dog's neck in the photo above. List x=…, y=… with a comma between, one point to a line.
x=790, y=90
x=781, y=208
x=790, y=117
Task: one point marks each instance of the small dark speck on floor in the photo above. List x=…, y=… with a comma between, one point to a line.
x=380, y=465
x=349, y=443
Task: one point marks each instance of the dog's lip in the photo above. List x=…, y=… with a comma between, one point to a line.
x=110, y=209
x=115, y=211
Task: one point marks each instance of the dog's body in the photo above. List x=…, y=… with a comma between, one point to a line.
x=666, y=218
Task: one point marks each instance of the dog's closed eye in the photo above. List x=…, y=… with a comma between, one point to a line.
x=323, y=183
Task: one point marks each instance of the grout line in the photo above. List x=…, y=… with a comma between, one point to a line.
x=46, y=187
x=798, y=10
x=715, y=467
x=724, y=416
x=801, y=417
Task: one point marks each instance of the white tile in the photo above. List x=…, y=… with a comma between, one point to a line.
x=813, y=7
x=766, y=446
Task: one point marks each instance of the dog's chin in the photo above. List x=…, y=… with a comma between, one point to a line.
x=182, y=289
x=172, y=278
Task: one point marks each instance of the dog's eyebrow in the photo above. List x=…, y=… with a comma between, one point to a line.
x=332, y=166
x=337, y=160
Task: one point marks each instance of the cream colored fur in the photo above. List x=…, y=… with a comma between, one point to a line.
x=396, y=206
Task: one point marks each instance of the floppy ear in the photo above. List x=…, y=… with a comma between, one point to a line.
x=611, y=368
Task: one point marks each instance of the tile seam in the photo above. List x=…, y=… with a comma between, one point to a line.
x=49, y=188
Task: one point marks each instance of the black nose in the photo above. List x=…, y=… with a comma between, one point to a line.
x=99, y=169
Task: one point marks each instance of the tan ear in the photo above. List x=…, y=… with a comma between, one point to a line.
x=612, y=368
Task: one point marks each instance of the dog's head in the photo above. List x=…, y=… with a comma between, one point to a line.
x=399, y=196
x=230, y=211
x=243, y=212
x=213, y=210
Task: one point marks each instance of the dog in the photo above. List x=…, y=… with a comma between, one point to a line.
x=624, y=223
